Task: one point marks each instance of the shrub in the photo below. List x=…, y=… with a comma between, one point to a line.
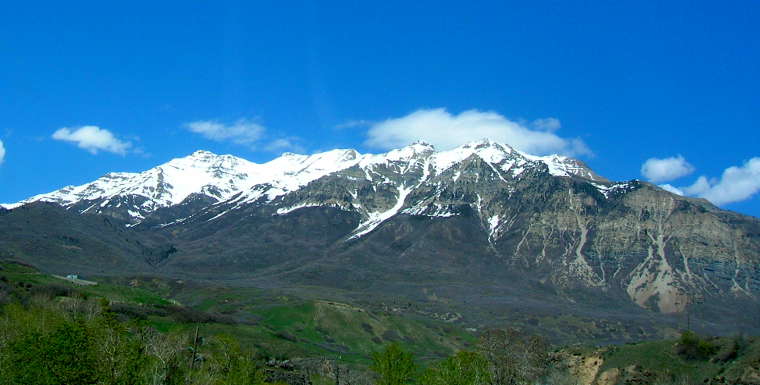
x=731, y=350
x=136, y=311
x=393, y=365
x=514, y=357
x=464, y=368
x=52, y=291
x=692, y=347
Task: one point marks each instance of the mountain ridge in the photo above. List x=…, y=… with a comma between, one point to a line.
x=222, y=177
x=416, y=220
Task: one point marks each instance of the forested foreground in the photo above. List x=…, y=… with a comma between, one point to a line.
x=69, y=340
x=82, y=341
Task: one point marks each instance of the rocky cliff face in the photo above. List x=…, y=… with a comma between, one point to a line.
x=659, y=250
x=483, y=213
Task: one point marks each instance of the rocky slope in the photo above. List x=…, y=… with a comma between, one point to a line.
x=482, y=223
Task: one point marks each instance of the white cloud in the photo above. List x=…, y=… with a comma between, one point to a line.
x=242, y=131
x=444, y=130
x=92, y=139
x=671, y=188
x=663, y=170
x=736, y=184
x=2, y=152
x=699, y=187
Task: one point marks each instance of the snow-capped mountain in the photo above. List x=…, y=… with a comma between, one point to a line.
x=341, y=217
x=218, y=178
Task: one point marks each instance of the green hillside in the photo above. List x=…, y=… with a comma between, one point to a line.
x=268, y=334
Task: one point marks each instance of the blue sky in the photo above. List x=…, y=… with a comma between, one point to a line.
x=614, y=83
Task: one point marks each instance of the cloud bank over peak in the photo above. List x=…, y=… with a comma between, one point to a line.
x=662, y=170
x=445, y=131
x=93, y=139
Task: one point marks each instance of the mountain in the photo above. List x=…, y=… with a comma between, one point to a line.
x=482, y=226
x=210, y=178
x=202, y=176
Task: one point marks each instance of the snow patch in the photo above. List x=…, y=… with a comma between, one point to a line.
x=435, y=210
x=493, y=225
x=286, y=210
x=376, y=218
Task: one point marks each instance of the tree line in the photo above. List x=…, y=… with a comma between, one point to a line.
x=76, y=341
x=51, y=335
x=51, y=340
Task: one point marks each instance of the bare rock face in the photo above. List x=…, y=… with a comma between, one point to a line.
x=662, y=251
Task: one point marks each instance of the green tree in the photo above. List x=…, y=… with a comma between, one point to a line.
x=231, y=365
x=122, y=357
x=463, y=368
x=393, y=365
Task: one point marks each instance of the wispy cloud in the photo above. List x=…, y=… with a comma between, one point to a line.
x=285, y=144
x=547, y=124
x=445, y=130
x=355, y=123
x=2, y=152
x=93, y=139
x=666, y=169
x=242, y=131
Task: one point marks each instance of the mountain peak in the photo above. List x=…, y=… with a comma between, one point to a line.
x=202, y=154
x=422, y=143
x=414, y=150
x=488, y=144
x=479, y=143
x=483, y=142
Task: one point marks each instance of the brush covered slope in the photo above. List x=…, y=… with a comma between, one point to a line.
x=482, y=228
